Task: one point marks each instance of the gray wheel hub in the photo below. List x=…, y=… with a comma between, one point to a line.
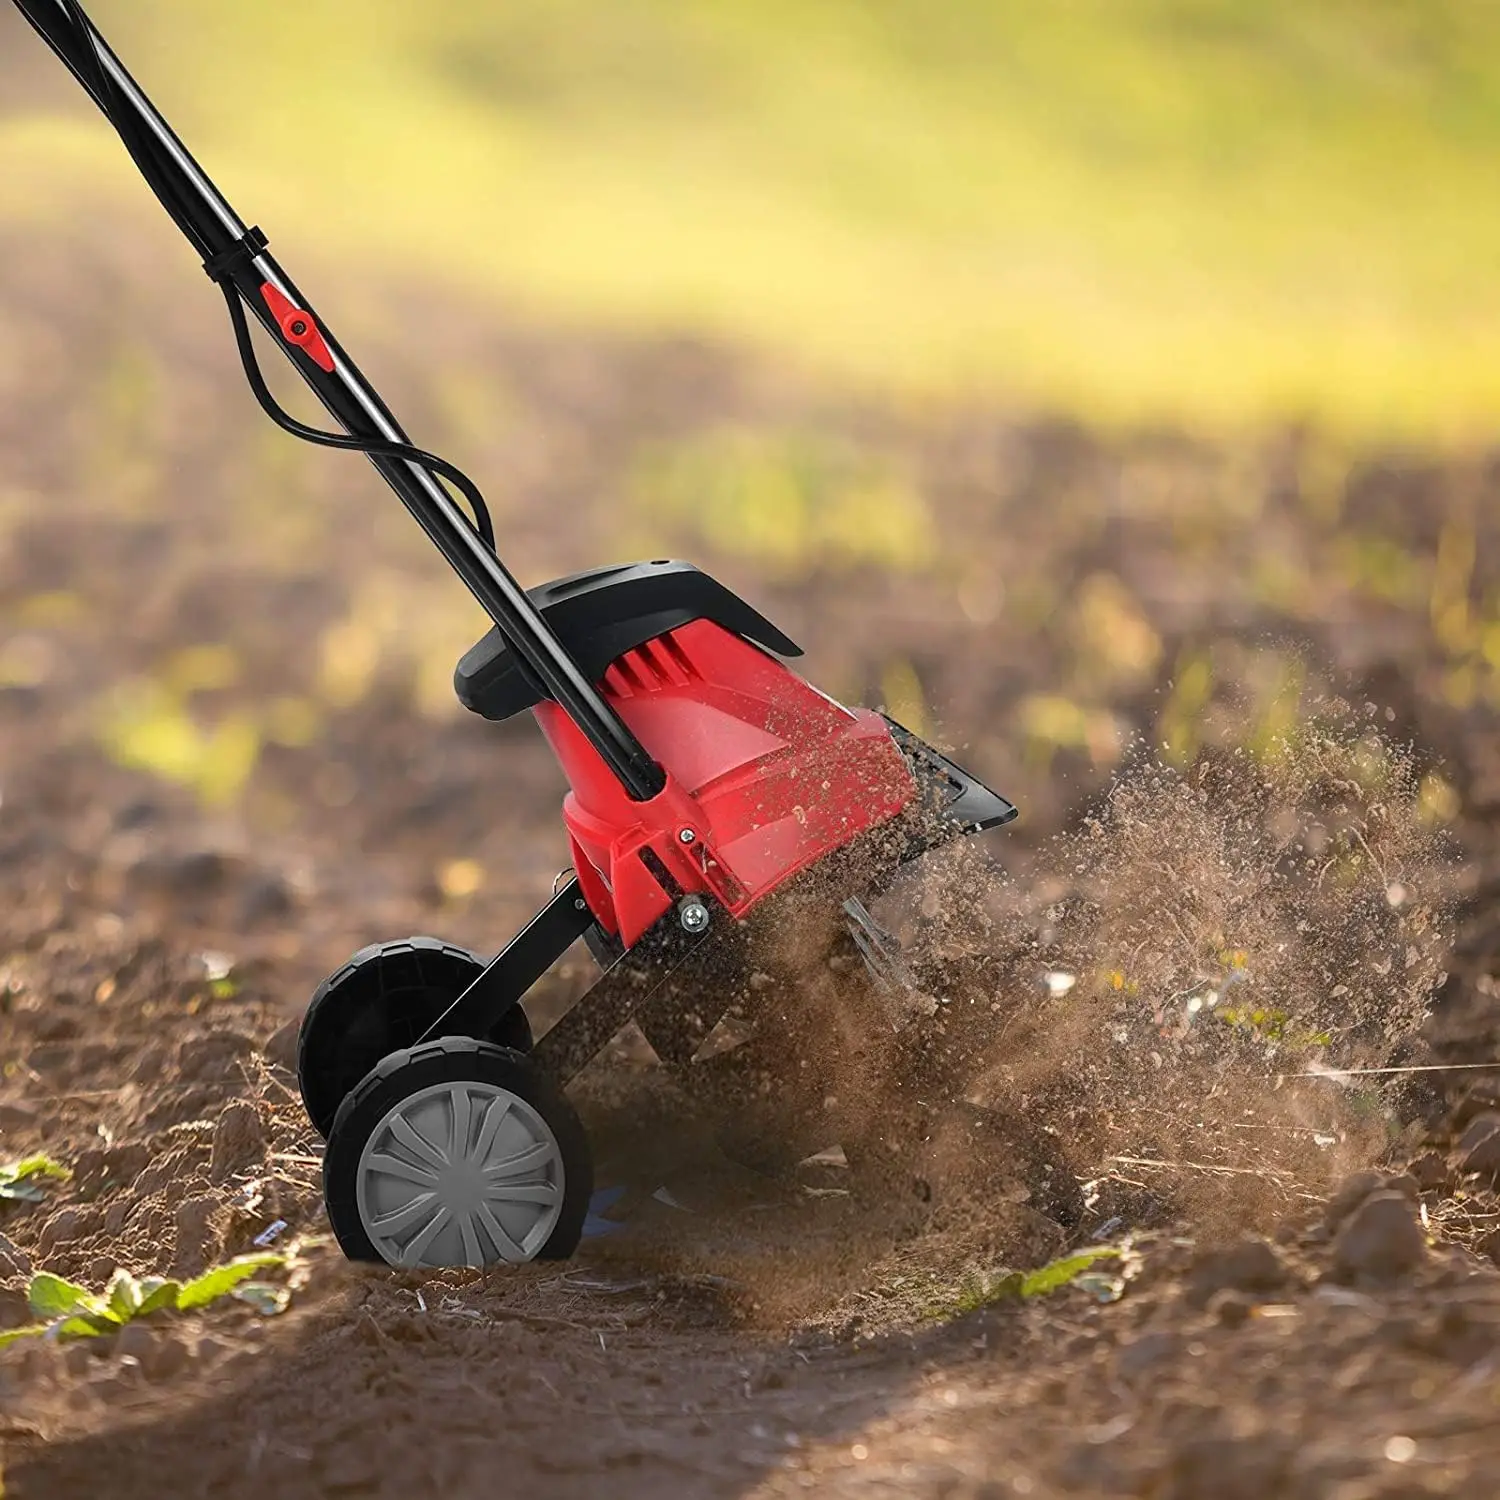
x=460, y=1174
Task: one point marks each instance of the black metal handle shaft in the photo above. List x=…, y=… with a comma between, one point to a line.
x=215, y=229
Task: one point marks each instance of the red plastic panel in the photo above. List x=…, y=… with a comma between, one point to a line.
x=768, y=774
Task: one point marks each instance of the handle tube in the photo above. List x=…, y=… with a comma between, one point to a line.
x=215, y=230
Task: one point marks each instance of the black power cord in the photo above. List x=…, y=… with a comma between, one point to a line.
x=375, y=449
x=144, y=152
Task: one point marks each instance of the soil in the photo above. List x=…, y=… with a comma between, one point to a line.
x=1140, y=983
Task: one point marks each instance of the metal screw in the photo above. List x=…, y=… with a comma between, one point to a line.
x=686, y=836
x=693, y=915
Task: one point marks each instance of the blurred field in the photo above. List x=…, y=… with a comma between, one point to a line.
x=1221, y=211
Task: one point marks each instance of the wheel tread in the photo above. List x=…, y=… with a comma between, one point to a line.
x=381, y=971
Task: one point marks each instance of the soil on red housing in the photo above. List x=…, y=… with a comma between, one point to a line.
x=1130, y=981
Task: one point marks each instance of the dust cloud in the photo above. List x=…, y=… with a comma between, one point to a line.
x=1151, y=1020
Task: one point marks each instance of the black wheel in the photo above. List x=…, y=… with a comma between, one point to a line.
x=383, y=999
x=457, y=1153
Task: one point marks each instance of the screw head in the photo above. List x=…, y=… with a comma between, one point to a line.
x=686, y=836
x=693, y=914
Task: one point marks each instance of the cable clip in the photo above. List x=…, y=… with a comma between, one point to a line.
x=221, y=267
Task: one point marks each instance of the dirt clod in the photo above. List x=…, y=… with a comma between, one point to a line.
x=1431, y=1171
x=136, y=1340
x=239, y=1140
x=1478, y=1148
x=1231, y=1308
x=1484, y=1158
x=1148, y=1352
x=1351, y=1192
x=14, y=1261
x=169, y=1355
x=14, y=1309
x=1380, y=1240
x=1250, y=1266
x=1225, y=1468
x=1404, y=1183
x=281, y=1045
x=1481, y=1128
x=215, y=1057
x=198, y=1239
x=1479, y=1099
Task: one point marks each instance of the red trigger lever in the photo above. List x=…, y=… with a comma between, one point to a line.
x=297, y=327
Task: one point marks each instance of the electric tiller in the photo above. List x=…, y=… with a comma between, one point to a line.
x=715, y=796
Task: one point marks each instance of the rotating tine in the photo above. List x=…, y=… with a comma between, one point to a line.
x=880, y=949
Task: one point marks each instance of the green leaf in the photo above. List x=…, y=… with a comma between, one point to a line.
x=266, y=1299
x=157, y=1293
x=222, y=1280
x=979, y=1291
x=1060, y=1272
x=1012, y=1284
x=31, y=1331
x=19, y=1180
x=84, y=1326
x=40, y=1165
x=52, y=1297
x=123, y=1296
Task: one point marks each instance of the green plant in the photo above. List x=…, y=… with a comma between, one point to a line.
x=1070, y=1270
x=67, y=1310
x=22, y=1180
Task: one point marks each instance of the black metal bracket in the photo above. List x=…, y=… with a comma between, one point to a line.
x=518, y=966
x=641, y=976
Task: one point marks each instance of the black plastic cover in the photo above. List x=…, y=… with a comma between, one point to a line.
x=599, y=616
x=956, y=798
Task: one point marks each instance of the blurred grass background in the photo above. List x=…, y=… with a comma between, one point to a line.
x=1218, y=212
